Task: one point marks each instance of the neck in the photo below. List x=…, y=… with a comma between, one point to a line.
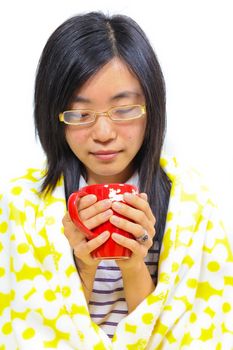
x=107, y=179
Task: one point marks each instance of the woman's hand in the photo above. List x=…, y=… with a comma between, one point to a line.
x=92, y=214
x=143, y=221
x=135, y=274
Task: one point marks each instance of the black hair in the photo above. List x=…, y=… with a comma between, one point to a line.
x=77, y=50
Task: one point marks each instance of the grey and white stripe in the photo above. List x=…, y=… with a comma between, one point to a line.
x=107, y=305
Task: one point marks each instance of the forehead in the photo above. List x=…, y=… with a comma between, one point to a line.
x=111, y=79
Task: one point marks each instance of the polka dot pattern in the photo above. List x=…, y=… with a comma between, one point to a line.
x=42, y=300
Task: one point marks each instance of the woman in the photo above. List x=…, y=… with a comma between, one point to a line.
x=100, y=117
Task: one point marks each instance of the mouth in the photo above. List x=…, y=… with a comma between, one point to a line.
x=105, y=155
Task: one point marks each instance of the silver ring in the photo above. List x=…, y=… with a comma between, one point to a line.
x=143, y=238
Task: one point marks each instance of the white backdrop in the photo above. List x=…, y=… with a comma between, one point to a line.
x=193, y=40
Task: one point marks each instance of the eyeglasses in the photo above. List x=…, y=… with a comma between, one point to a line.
x=88, y=116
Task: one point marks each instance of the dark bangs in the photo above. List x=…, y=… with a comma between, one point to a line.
x=71, y=56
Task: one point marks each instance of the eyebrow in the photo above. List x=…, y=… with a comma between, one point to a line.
x=124, y=94
x=118, y=96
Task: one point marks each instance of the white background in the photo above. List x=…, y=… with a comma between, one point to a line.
x=194, y=43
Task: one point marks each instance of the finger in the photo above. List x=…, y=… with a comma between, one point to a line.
x=68, y=223
x=86, y=201
x=85, y=248
x=140, y=203
x=135, y=229
x=66, y=219
x=137, y=215
x=72, y=233
x=95, y=209
x=131, y=244
x=143, y=196
x=98, y=219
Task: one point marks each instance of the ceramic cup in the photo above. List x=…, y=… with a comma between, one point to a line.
x=109, y=249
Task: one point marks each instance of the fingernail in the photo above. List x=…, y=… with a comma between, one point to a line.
x=144, y=196
x=116, y=205
x=104, y=234
x=114, y=219
x=116, y=237
x=106, y=203
x=107, y=213
x=91, y=197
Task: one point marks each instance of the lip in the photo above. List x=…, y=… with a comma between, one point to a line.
x=105, y=155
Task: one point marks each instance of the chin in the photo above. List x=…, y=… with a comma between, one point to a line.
x=117, y=175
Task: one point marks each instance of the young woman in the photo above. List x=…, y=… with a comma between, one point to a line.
x=100, y=116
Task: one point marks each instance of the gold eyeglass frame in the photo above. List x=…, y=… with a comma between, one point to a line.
x=95, y=114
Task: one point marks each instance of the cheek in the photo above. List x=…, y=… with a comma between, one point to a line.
x=135, y=134
x=75, y=137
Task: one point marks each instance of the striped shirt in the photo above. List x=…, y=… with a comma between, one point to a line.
x=107, y=305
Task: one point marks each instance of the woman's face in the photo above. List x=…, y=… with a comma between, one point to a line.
x=107, y=148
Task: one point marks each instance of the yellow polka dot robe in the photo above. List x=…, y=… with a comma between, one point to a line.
x=42, y=305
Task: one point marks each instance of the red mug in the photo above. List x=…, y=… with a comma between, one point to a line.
x=109, y=249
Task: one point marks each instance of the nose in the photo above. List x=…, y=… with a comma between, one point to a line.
x=104, y=129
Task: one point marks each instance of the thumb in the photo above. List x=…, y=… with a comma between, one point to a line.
x=143, y=196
